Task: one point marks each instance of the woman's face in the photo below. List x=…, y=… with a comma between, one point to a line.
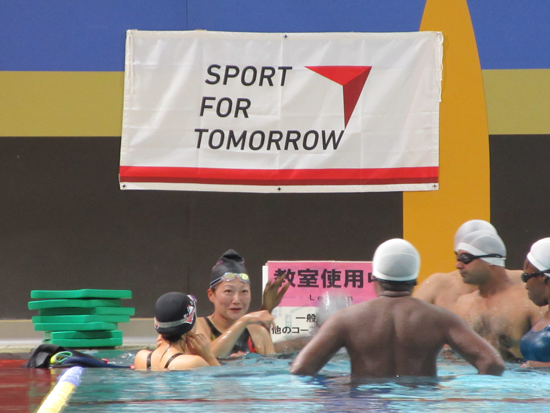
x=231, y=299
x=536, y=286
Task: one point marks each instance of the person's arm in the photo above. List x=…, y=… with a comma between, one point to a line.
x=262, y=339
x=318, y=352
x=222, y=345
x=471, y=346
x=461, y=308
x=273, y=293
x=532, y=363
x=199, y=345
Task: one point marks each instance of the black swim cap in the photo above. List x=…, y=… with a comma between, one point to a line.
x=229, y=262
x=175, y=313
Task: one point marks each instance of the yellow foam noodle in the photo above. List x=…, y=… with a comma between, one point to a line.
x=431, y=218
x=58, y=398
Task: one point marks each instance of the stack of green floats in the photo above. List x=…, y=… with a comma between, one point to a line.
x=81, y=318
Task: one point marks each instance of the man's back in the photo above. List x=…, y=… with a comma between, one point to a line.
x=393, y=336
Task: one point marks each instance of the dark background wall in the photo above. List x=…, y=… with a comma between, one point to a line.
x=520, y=192
x=64, y=223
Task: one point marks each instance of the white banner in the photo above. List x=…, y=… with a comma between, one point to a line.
x=269, y=112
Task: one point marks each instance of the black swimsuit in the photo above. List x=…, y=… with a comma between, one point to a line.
x=244, y=343
x=167, y=363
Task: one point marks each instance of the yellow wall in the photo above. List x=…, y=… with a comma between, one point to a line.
x=61, y=103
x=430, y=219
x=518, y=101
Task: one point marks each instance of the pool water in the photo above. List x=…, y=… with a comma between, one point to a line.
x=263, y=384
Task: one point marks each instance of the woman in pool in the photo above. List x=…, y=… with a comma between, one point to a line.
x=179, y=348
x=535, y=345
x=231, y=330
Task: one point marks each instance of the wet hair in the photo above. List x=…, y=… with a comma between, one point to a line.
x=172, y=337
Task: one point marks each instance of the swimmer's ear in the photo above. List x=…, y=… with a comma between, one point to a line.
x=210, y=293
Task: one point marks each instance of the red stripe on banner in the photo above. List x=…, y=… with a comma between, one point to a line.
x=382, y=176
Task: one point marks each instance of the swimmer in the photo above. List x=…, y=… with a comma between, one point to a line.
x=395, y=334
x=180, y=348
x=230, y=329
x=535, y=344
x=443, y=289
x=499, y=310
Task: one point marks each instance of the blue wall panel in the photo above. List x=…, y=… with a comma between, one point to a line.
x=512, y=34
x=306, y=15
x=70, y=35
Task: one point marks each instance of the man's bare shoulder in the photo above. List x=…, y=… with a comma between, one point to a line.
x=443, y=289
x=434, y=309
x=519, y=294
x=348, y=317
x=391, y=306
x=428, y=289
x=515, y=276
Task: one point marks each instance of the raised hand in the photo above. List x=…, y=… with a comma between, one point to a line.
x=274, y=293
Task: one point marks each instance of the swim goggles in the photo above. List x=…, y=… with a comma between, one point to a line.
x=525, y=277
x=466, y=258
x=228, y=276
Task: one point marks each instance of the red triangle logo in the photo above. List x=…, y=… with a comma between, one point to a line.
x=352, y=78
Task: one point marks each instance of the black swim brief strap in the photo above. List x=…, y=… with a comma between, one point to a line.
x=171, y=359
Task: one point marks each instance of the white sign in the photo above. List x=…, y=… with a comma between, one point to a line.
x=268, y=112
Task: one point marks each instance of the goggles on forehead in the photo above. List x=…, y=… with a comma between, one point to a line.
x=466, y=258
x=525, y=277
x=228, y=276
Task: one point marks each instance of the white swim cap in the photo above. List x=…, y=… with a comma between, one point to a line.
x=396, y=260
x=471, y=226
x=539, y=255
x=484, y=242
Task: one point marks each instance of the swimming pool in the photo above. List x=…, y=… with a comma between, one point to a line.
x=263, y=384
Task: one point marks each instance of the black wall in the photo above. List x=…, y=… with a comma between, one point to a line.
x=520, y=192
x=65, y=224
